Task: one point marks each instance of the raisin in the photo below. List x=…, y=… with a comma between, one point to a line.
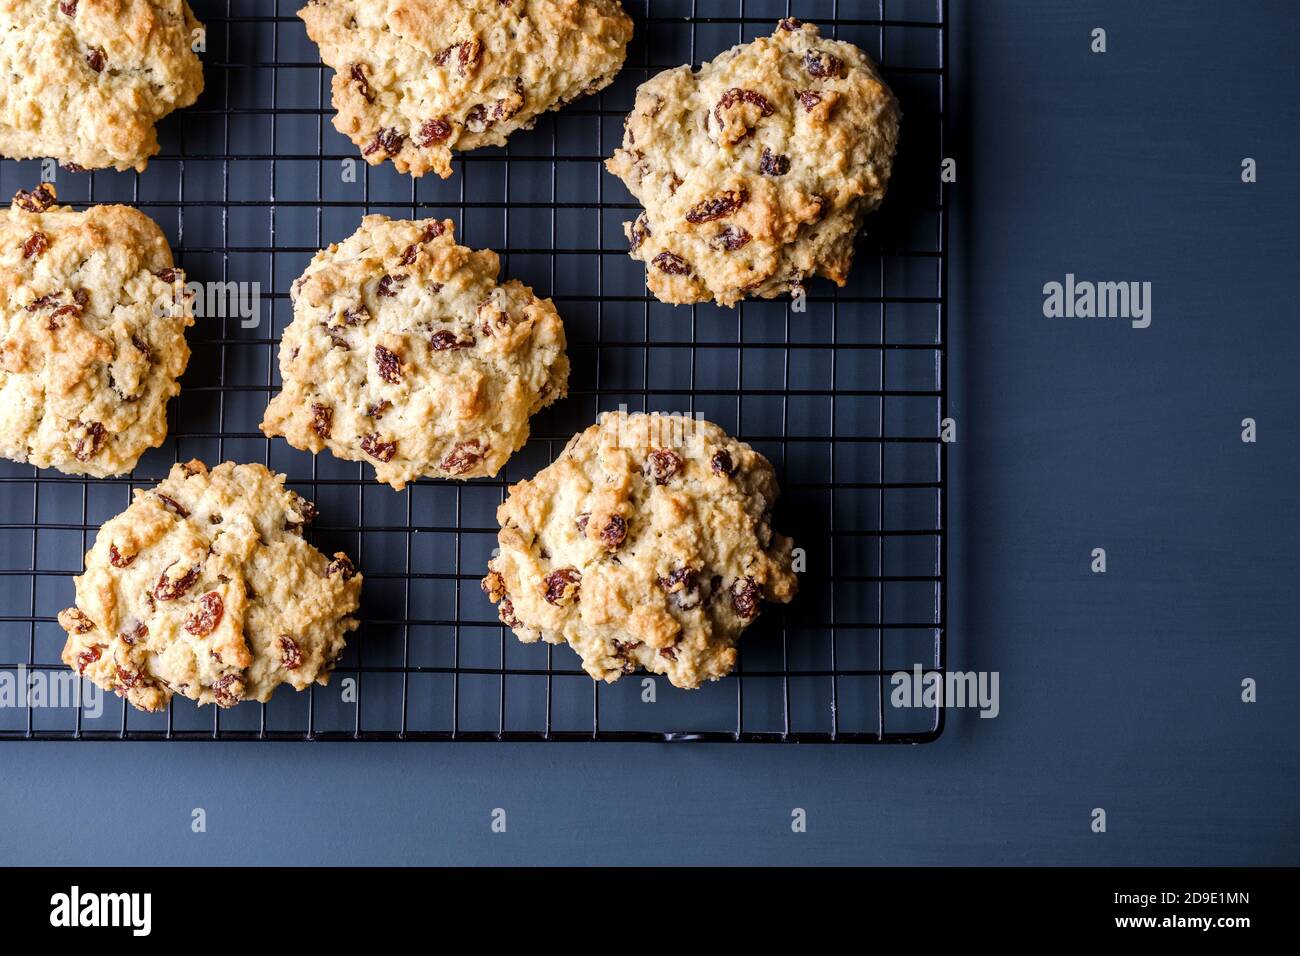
x=468, y=56
x=35, y=245
x=562, y=586
x=116, y=558
x=203, y=620
x=733, y=238
x=128, y=679
x=463, y=456
x=661, y=465
x=357, y=315
x=140, y=344
x=481, y=118
x=341, y=565
x=72, y=167
x=389, y=139
x=229, y=690
x=377, y=409
x=290, y=653
x=773, y=164
x=96, y=59
x=378, y=450
x=322, y=418
x=621, y=652
x=68, y=7
x=88, y=657
x=745, y=595
x=305, y=508
x=467, y=53
x=413, y=250
x=172, y=505
x=363, y=85
x=75, y=621
x=809, y=99
x=337, y=341
x=56, y=319
x=737, y=95
x=717, y=207
x=38, y=200
x=822, y=65
x=638, y=233
x=672, y=264
x=168, y=589
x=44, y=302
x=444, y=340
x=583, y=520
x=386, y=284
x=721, y=463
x=389, y=363
x=89, y=443
x=789, y=23
x=137, y=633
x=434, y=131
x=681, y=579
x=506, y=613
x=476, y=120
x=669, y=653
x=614, y=533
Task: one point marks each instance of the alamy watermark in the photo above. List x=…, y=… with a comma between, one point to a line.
x=932, y=689
x=660, y=429
x=42, y=689
x=215, y=300
x=76, y=909
x=1085, y=299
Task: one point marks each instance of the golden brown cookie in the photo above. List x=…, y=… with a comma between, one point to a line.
x=405, y=352
x=84, y=81
x=756, y=170
x=92, y=334
x=647, y=543
x=204, y=587
x=415, y=79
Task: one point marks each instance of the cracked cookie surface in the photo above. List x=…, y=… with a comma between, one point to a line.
x=92, y=334
x=415, y=79
x=756, y=170
x=205, y=587
x=647, y=543
x=406, y=353
x=84, y=81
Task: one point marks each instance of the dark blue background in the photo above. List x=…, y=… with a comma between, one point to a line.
x=1118, y=691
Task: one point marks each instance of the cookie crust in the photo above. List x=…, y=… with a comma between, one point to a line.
x=756, y=170
x=86, y=80
x=647, y=543
x=404, y=352
x=415, y=79
x=92, y=334
x=205, y=587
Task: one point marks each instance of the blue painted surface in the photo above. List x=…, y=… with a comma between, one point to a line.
x=1118, y=691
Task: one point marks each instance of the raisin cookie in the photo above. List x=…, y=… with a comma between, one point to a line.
x=756, y=170
x=415, y=79
x=204, y=587
x=406, y=353
x=647, y=543
x=84, y=81
x=92, y=334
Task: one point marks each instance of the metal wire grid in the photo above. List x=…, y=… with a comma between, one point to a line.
x=845, y=398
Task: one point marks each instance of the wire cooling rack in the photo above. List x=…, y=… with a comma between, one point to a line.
x=845, y=398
